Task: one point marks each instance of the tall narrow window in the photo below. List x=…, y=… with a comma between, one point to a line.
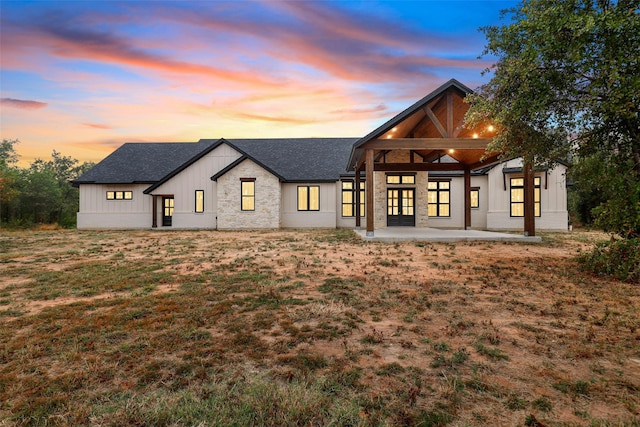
x=309, y=198
x=199, y=201
x=517, y=196
x=248, y=189
x=349, y=199
x=475, y=197
x=438, y=198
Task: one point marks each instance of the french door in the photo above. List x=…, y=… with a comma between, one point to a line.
x=400, y=207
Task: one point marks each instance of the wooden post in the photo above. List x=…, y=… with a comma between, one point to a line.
x=449, y=114
x=154, y=212
x=529, y=201
x=357, y=199
x=467, y=198
x=369, y=190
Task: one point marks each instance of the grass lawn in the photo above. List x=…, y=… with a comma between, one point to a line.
x=197, y=328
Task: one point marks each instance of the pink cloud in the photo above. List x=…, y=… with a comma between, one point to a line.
x=22, y=104
x=97, y=126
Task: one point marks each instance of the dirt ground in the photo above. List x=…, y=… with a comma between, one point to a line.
x=495, y=333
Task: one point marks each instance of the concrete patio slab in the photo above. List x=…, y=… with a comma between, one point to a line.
x=399, y=234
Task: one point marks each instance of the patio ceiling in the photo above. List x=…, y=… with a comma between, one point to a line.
x=433, y=131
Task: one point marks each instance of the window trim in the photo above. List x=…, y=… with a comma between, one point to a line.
x=308, y=201
x=119, y=195
x=251, y=196
x=195, y=206
x=353, y=190
x=477, y=190
x=438, y=203
x=537, y=194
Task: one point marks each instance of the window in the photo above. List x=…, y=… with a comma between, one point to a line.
x=438, y=198
x=475, y=197
x=199, y=201
x=349, y=199
x=517, y=196
x=309, y=198
x=119, y=195
x=248, y=190
x=401, y=179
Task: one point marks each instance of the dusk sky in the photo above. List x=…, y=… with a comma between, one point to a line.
x=83, y=77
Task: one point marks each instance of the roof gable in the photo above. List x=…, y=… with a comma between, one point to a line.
x=296, y=159
x=146, y=163
x=410, y=120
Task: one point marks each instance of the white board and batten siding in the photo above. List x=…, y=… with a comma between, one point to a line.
x=183, y=187
x=97, y=212
x=553, y=199
x=326, y=217
x=455, y=220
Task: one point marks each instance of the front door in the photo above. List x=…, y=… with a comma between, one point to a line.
x=167, y=211
x=400, y=211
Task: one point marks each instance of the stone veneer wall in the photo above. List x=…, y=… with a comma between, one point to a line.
x=421, y=201
x=380, y=193
x=267, y=199
x=380, y=200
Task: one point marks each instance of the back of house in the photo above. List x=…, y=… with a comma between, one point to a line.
x=422, y=168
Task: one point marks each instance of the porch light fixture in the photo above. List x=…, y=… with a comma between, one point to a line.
x=490, y=128
x=451, y=151
x=475, y=135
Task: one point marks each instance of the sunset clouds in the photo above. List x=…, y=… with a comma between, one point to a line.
x=81, y=77
x=22, y=104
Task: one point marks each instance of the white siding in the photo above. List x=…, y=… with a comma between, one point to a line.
x=456, y=206
x=196, y=177
x=479, y=214
x=326, y=217
x=553, y=199
x=97, y=212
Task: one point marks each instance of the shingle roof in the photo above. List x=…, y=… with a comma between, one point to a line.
x=142, y=162
x=299, y=159
x=291, y=159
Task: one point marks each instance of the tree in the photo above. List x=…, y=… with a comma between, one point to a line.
x=40, y=194
x=8, y=177
x=567, y=82
x=50, y=189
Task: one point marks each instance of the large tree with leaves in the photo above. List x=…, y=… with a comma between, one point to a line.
x=567, y=82
x=9, y=174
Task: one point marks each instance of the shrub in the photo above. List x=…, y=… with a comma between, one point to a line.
x=616, y=258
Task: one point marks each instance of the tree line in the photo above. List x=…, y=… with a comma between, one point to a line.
x=566, y=85
x=41, y=193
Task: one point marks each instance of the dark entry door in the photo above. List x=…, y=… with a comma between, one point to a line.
x=167, y=211
x=400, y=207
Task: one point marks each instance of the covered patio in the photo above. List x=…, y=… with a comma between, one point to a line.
x=428, y=137
x=425, y=234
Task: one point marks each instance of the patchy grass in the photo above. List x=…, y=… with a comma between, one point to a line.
x=310, y=328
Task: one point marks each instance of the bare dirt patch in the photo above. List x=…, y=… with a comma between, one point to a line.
x=473, y=333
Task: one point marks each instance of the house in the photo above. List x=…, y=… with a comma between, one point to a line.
x=419, y=169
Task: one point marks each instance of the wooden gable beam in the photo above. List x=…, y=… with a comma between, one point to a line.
x=428, y=144
x=449, y=113
x=418, y=167
x=436, y=122
x=458, y=129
